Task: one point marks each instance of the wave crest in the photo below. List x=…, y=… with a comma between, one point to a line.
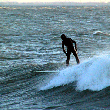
x=93, y=74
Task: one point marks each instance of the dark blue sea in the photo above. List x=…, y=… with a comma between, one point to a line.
x=33, y=73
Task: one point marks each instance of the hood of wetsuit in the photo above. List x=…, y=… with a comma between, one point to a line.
x=63, y=36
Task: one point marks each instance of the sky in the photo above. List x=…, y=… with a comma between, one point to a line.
x=27, y=1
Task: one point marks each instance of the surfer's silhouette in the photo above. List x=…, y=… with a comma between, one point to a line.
x=68, y=42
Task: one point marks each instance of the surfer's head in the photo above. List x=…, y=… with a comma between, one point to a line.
x=63, y=36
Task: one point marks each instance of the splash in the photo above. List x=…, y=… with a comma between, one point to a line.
x=93, y=74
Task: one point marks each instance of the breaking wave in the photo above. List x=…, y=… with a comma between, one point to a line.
x=93, y=74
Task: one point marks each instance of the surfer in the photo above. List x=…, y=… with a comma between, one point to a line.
x=68, y=42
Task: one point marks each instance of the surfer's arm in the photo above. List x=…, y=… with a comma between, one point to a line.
x=75, y=44
x=63, y=48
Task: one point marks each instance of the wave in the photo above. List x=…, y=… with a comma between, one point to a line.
x=93, y=74
x=20, y=72
x=100, y=33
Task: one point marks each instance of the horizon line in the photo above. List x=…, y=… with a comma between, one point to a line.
x=51, y=2
x=55, y=3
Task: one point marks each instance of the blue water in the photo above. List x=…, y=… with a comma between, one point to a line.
x=30, y=42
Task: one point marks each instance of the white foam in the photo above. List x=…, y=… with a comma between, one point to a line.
x=93, y=74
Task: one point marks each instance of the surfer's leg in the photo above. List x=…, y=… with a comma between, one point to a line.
x=76, y=56
x=67, y=61
x=68, y=57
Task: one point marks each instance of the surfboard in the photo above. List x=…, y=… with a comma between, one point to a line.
x=46, y=71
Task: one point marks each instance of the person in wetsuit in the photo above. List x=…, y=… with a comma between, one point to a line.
x=68, y=42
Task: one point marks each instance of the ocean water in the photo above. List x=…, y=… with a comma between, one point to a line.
x=33, y=74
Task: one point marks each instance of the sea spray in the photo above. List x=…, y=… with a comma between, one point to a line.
x=93, y=74
x=96, y=76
